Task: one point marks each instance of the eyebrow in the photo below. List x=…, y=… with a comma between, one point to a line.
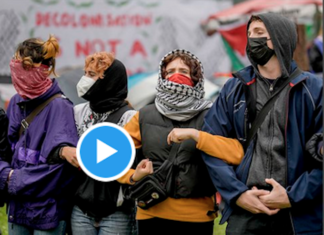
x=256, y=28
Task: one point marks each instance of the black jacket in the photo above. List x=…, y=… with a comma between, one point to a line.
x=190, y=177
x=99, y=199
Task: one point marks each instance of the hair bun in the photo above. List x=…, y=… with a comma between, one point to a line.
x=50, y=48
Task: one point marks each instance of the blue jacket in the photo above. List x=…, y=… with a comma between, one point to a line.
x=38, y=191
x=227, y=117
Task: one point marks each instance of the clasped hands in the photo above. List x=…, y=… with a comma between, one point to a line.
x=259, y=201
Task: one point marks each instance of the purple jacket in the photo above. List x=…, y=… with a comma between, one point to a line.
x=39, y=192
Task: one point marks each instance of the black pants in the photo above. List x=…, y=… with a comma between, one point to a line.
x=158, y=226
x=243, y=222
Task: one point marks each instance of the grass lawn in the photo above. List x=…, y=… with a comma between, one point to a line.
x=3, y=221
x=218, y=229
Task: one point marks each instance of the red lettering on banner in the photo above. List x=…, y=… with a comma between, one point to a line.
x=94, y=46
x=138, y=48
x=96, y=20
x=84, y=20
x=55, y=21
x=42, y=19
x=128, y=20
x=113, y=44
x=82, y=49
x=65, y=19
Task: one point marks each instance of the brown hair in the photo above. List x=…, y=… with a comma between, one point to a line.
x=255, y=18
x=100, y=62
x=194, y=65
x=36, y=51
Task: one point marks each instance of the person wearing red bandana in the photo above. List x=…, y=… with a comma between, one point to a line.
x=189, y=208
x=38, y=180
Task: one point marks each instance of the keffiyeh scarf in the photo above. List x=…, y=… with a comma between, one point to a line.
x=180, y=102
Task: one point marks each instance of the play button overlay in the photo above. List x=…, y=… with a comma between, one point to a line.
x=105, y=152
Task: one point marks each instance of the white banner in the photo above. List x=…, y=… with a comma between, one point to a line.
x=139, y=32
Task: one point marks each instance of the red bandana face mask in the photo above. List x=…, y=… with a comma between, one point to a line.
x=29, y=83
x=181, y=79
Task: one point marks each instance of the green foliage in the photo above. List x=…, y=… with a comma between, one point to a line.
x=219, y=229
x=3, y=221
x=46, y=2
x=117, y=3
x=85, y=4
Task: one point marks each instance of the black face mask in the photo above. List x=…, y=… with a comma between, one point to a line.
x=259, y=51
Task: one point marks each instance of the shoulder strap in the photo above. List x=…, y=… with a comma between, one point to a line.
x=266, y=108
x=117, y=115
x=163, y=172
x=26, y=122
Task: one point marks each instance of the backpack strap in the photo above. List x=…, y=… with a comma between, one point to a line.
x=266, y=108
x=26, y=122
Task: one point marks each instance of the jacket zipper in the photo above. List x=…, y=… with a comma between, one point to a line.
x=271, y=88
x=269, y=173
x=245, y=123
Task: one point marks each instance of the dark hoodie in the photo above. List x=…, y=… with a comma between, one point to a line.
x=109, y=93
x=95, y=198
x=269, y=157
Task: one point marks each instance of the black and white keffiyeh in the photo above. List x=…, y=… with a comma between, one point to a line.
x=177, y=101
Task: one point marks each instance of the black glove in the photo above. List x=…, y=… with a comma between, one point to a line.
x=312, y=146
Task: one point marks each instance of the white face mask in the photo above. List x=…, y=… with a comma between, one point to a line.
x=84, y=85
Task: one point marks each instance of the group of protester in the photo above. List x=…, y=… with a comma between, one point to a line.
x=259, y=144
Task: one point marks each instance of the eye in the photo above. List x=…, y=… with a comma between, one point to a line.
x=184, y=71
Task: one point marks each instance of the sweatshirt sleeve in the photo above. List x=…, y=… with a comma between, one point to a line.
x=218, y=121
x=227, y=149
x=133, y=129
x=309, y=185
x=44, y=179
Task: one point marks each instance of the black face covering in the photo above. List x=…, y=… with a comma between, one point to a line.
x=110, y=92
x=259, y=51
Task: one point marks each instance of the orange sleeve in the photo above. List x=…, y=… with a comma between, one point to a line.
x=133, y=129
x=125, y=179
x=227, y=149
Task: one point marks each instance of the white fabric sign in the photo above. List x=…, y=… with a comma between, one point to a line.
x=139, y=32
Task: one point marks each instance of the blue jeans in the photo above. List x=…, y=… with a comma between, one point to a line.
x=118, y=223
x=16, y=229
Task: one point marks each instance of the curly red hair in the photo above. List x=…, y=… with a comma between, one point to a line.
x=99, y=62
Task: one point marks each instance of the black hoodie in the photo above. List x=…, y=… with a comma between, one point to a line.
x=269, y=157
x=283, y=35
x=109, y=93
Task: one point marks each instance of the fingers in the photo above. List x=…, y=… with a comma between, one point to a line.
x=144, y=168
x=142, y=163
x=150, y=167
x=268, y=211
x=254, y=188
x=260, y=192
x=169, y=138
x=74, y=161
x=272, y=182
